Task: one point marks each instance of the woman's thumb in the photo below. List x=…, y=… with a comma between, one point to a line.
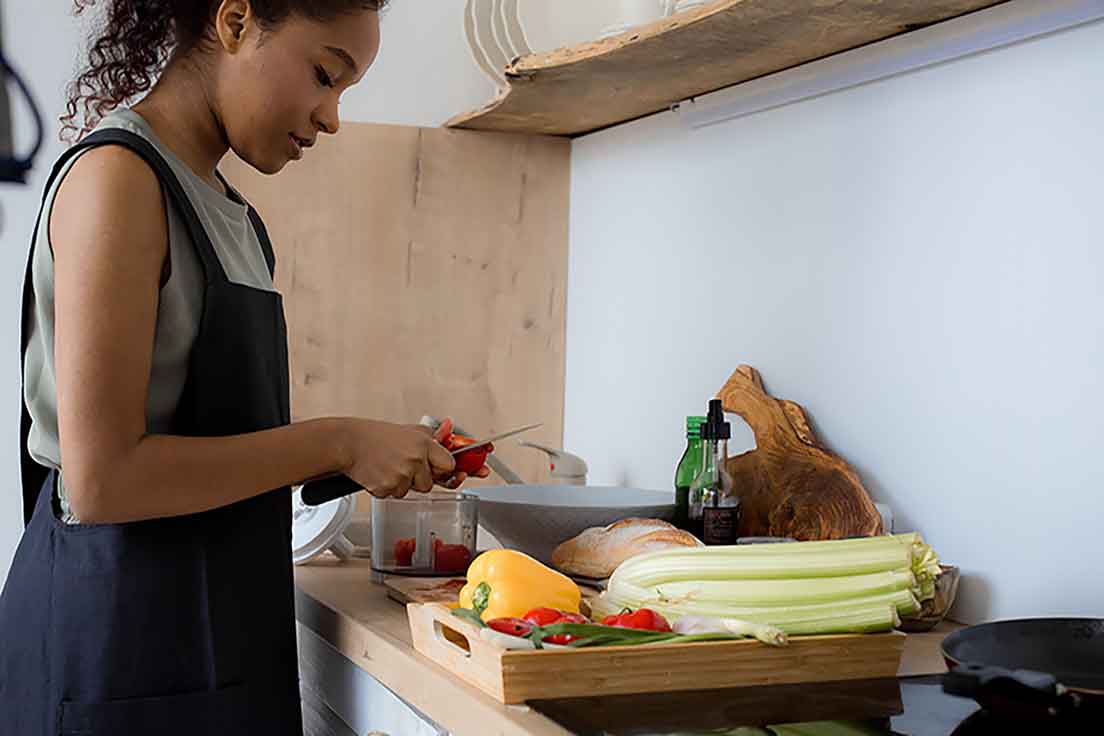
x=441, y=461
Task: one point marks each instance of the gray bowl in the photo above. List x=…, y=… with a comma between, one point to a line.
x=535, y=519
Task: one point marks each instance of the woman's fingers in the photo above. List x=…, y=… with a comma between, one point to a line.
x=423, y=480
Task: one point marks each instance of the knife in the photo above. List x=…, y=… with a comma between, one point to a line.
x=496, y=438
x=323, y=491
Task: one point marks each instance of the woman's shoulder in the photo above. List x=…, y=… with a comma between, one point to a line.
x=111, y=194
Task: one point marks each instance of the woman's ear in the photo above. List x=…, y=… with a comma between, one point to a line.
x=233, y=20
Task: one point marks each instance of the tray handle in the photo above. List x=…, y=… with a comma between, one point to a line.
x=452, y=638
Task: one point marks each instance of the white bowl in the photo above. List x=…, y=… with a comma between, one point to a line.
x=535, y=519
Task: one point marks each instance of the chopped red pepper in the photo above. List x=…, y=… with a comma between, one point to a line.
x=643, y=618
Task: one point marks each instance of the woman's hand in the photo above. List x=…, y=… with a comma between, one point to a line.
x=390, y=460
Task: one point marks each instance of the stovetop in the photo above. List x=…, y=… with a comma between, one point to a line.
x=906, y=707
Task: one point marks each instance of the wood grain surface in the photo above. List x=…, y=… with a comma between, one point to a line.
x=517, y=676
x=790, y=485
x=584, y=88
x=424, y=272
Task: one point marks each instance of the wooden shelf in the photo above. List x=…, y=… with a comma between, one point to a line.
x=584, y=88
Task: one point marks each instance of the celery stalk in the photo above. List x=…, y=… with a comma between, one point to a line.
x=778, y=592
x=678, y=566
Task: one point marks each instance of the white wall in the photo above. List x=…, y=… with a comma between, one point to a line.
x=917, y=261
x=423, y=76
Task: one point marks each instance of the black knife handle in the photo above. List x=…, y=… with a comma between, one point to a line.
x=318, y=492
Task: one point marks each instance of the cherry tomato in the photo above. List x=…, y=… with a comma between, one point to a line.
x=549, y=616
x=642, y=618
x=511, y=626
x=543, y=616
x=573, y=618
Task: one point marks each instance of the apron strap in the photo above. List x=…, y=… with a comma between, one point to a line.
x=33, y=475
x=258, y=226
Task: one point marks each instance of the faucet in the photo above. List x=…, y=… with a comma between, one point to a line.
x=567, y=469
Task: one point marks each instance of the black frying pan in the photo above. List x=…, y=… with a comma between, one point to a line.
x=1052, y=664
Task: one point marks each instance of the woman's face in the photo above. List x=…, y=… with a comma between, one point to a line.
x=278, y=89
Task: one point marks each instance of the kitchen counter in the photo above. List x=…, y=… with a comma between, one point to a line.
x=340, y=603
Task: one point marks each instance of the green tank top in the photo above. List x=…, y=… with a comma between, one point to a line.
x=179, y=306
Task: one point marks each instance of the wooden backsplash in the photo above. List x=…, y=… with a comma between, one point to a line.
x=424, y=272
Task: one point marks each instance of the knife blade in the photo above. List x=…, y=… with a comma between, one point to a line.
x=496, y=438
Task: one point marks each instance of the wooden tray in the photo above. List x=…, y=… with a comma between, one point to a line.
x=518, y=676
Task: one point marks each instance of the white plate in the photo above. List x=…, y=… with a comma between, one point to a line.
x=511, y=27
x=479, y=21
x=477, y=53
x=553, y=24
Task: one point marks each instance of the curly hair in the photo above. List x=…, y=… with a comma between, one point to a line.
x=138, y=37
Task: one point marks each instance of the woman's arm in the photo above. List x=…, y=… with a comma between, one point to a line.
x=109, y=235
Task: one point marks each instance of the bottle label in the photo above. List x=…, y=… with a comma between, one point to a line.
x=720, y=524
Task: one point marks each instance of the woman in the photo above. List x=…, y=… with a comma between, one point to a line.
x=152, y=590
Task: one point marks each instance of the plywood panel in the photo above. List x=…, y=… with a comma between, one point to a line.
x=424, y=272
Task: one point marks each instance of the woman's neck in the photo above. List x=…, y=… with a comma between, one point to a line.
x=180, y=111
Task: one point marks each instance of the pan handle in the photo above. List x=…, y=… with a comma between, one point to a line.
x=999, y=688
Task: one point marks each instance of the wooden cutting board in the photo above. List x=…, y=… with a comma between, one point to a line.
x=423, y=590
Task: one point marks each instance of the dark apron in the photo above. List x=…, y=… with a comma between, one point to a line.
x=179, y=626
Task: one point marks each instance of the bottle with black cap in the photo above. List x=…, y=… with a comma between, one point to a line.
x=714, y=507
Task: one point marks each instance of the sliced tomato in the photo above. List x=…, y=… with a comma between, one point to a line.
x=404, y=552
x=451, y=558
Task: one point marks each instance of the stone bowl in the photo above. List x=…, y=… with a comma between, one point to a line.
x=536, y=519
x=934, y=611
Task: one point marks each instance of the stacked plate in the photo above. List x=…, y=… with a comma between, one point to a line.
x=500, y=31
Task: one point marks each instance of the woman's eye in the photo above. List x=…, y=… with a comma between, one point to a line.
x=323, y=78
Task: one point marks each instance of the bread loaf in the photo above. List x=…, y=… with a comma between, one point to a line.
x=598, y=551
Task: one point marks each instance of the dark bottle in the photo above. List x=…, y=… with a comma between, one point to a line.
x=688, y=468
x=714, y=506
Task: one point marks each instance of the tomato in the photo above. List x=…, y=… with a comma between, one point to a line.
x=404, y=552
x=450, y=558
x=573, y=618
x=549, y=616
x=511, y=626
x=642, y=618
x=543, y=616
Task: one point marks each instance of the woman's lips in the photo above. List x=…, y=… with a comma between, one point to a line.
x=296, y=147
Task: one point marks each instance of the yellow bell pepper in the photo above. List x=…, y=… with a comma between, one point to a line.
x=504, y=583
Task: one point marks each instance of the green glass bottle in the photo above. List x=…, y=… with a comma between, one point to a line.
x=688, y=468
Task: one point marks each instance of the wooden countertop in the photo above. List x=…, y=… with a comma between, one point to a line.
x=340, y=603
